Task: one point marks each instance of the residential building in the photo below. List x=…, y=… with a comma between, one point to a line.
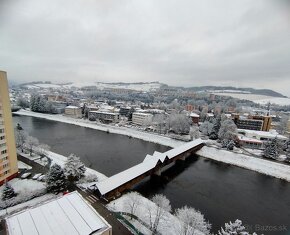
x=262, y=135
x=68, y=214
x=141, y=118
x=8, y=156
x=195, y=118
x=257, y=123
x=105, y=116
x=73, y=111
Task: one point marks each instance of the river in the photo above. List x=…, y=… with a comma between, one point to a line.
x=221, y=192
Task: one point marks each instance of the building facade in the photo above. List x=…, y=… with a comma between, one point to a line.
x=8, y=156
x=105, y=116
x=141, y=118
x=73, y=111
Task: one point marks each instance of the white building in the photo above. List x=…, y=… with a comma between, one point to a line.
x=69, y=214
x=141, y=118
x=105, y=116
x=73, y=111
x=262, y=135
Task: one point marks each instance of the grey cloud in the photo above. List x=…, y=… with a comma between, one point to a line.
x=240, y=43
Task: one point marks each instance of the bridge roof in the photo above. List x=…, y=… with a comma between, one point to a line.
x=148, y=164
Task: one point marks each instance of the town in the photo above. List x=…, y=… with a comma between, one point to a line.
x=259, y=131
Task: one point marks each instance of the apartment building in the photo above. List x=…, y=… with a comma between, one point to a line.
x=8, y=157
x=73, y=111
x=105, y=116
x=257, y=123
x=141, y=118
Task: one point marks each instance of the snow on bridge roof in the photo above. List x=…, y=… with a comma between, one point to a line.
x=69, y=214
x=149, y=163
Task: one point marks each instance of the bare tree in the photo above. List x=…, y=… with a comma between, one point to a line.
x=132, y=202
x=158, y=212
x=228, y=130
x=31, y=143
x=191, y=220
x=42, y=149
x=20, y=138
x=282, y=125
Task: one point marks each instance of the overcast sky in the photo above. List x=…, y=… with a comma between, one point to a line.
x=243, y=43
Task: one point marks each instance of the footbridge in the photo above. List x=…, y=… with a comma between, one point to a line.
x=151, y=165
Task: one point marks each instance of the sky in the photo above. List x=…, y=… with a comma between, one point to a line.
x=241, y=43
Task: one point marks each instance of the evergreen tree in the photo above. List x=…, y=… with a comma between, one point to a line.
x=272, y=149
x=74, y=169
x=55, y=179
x=8, y=192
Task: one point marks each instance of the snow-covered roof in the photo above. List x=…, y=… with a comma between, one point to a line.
x=69, y=214
x=267, y=134
x=194, y=115
x=148, y=164
x=71, y=107
x=248, y=139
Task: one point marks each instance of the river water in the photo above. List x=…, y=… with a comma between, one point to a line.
x=221, y=192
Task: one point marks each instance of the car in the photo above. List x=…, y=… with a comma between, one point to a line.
x=41, y=178
x=36, y=176
x=25, y=175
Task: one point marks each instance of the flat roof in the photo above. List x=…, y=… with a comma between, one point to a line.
x=69, y=214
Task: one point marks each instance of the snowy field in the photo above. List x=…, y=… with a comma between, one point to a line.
x=260, y=99
x=266, y=167
x=166, y=141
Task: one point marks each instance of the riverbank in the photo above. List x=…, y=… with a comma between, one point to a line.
x=154, y=138
x=262, y=166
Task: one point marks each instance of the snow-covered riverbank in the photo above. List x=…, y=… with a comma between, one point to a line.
x=263, y=166
x=154, y=138
x=241, y=160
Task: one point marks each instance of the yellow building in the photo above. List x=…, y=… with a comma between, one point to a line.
x=8, y=157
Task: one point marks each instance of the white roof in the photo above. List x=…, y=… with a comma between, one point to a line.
x=149, y=163
x=69, y=214
x=248, y=139
x=71, y=107
x=194, y=115
x=267, y=134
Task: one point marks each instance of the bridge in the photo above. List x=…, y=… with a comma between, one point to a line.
x=151, y=165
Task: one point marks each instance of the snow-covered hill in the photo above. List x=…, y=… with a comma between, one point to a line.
x=150, y=86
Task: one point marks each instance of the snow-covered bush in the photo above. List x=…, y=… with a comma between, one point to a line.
x=228, y=130
x=235, y=228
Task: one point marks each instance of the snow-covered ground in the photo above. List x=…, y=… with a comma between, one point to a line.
x=102, y=127
x=260, y=99
x=22, y=165
x=22, y=186
x=266, y=167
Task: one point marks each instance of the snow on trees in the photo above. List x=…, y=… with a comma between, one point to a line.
x=228, y=130
x=179, y=123
x=20, y=138
x=31, y=143
x=55, y=179
x=206, y=127
x=272, y=149
x=191, y=220
x=132, y=203
x=194, y=132
x=74, y=169
x=42, y=149
x=8, y=192
x=235, y=228
x=282, y=125
x=158, y=213
x=215, y=128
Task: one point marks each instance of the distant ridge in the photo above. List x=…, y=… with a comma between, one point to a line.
x=228, y=89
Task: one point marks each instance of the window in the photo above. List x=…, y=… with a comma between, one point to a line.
x=2, y=130
x=2, y=137
x=3, y=145
x=6, y=172
x=3, y=151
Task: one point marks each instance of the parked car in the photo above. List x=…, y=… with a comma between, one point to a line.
x=41, y=178
x=25, y=175
x=36, y=176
